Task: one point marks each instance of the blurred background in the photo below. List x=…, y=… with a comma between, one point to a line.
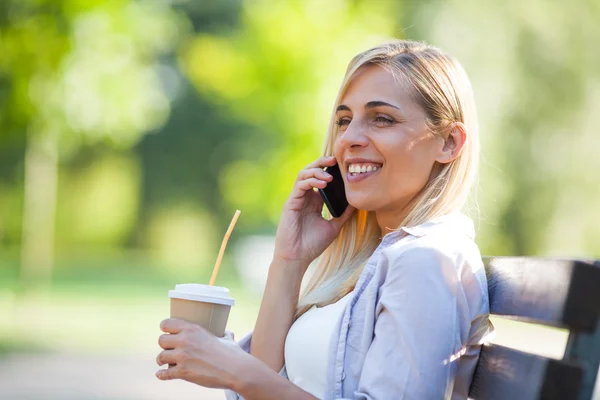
x=130, y=131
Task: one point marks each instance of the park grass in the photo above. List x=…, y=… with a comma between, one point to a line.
x=103, y=308
x=92, y=319
x=116, y=307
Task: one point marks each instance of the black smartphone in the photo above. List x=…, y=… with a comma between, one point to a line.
x=334, y=194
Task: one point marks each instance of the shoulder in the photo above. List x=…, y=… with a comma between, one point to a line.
x=444, y=248
x=441, y=259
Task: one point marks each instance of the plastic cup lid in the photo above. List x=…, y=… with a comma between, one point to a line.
x=203, y=293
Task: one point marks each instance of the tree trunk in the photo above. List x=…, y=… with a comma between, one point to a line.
x=41, y=180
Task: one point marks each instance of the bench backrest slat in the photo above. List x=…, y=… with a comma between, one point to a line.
x=504, y=373
x=555, y=292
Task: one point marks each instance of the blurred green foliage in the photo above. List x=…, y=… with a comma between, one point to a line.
x=166, y=116
x=280, y=71
x=130, y=131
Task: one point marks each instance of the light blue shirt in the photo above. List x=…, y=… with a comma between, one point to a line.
x=415, y=321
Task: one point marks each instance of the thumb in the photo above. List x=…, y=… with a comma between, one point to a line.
x=228, y=339
x=230, y=335
x=342, y=219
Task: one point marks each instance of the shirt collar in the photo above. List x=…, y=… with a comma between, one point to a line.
x=455, y=222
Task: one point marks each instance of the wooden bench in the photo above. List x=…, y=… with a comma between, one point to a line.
x=554, y=292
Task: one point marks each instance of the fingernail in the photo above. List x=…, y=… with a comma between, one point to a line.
x=328, y=175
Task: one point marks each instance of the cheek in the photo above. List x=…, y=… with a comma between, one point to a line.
x=411, y=170
x=337, y=149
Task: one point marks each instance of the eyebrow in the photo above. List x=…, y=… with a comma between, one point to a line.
x=371, y=104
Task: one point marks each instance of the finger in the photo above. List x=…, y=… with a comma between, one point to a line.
x=342, y=219
x=166, y=357
x=173, y=325
x=322, y=162
x=230, y=335
x=228, y=339
x=314, y=173
x=168, y=341
x=303, y=186
x=173, y=372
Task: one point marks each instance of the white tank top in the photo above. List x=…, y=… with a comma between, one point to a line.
x=307, y=346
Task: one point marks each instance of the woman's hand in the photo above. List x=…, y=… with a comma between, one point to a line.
x=303, y=234
x=199, y=356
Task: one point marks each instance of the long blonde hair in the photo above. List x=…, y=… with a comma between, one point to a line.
x=443, y=89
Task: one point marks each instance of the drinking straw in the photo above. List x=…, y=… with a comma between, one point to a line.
x=213, y=278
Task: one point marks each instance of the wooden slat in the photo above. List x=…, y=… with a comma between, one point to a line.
x=584, y=348
x=507, y=374
x=556, y=292
x=582, y=309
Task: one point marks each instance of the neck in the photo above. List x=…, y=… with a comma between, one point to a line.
x=390, y=220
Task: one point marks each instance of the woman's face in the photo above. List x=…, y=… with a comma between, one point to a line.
x=383, y=146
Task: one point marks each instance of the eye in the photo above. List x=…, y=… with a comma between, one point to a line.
x=344, y=121
x=384, y=119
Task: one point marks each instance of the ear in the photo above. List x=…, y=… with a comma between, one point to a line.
x=453, y=143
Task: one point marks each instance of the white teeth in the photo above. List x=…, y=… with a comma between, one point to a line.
x=356, y=169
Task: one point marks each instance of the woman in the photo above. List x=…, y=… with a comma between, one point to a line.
x=397, y=306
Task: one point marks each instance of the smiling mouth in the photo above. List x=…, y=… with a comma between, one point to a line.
x=359, y=172
x=363, y=168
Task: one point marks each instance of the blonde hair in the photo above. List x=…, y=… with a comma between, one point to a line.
x=442, y=88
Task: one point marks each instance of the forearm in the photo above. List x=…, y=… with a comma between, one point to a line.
x=256, y=381
x=276, y=314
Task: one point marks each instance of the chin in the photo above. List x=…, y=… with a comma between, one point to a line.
x=366, y=203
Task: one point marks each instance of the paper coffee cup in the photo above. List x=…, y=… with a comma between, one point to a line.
x=207, y=306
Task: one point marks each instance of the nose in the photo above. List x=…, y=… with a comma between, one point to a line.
x=353, y=136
